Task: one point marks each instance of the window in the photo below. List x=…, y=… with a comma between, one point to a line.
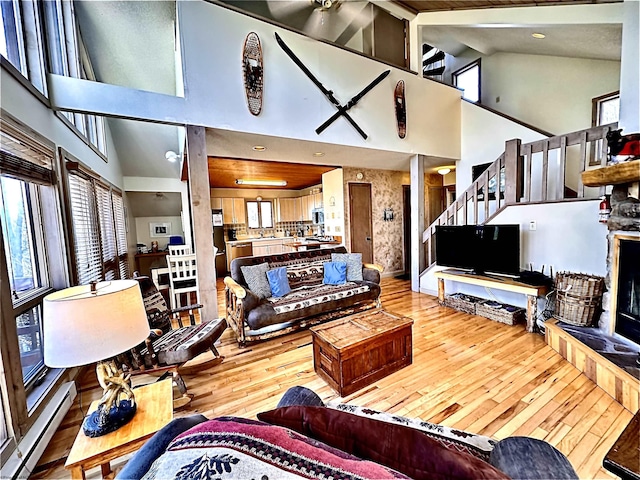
x=604, y=110
x=30, y=231
x=468, y=79
x=12, y=41
x=98, y=225
x=260, y=214
x=68, y=57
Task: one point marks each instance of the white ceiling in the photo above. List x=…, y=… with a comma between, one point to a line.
x=600, y=42
x=154, y=204
x=131, y=43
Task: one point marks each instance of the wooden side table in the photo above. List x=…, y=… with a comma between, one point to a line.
x=624, y=457
x=155, y=410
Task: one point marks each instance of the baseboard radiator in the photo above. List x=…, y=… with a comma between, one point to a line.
x=25, y=457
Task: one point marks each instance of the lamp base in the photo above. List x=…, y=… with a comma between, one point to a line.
x=100, y=423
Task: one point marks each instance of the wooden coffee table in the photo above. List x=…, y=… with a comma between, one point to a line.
x=155, y=410
x=624, y=457
x=355, y=351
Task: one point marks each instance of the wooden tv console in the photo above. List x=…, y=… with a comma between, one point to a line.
x=501, y=283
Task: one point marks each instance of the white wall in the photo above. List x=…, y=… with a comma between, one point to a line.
x=333, y=201
x=568, y=238
x=144, y=232
x=550, y=93
x=483, y=139
x=630, y=73
x=24, y=106
x=212, y=38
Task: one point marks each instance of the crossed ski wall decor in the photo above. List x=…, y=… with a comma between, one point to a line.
x=342, y=109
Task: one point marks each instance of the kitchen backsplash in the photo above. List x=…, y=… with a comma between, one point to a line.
x=281, y=229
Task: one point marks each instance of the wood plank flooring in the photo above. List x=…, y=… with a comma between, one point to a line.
x=468, y=372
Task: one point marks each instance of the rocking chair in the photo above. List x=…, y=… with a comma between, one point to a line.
x=167, y=349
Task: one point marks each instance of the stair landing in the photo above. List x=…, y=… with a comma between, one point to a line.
x=613, y=379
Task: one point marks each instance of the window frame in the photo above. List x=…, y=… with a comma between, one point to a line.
x=597, y=150
x=23, y=404
x=259, y=208
x=454, y=78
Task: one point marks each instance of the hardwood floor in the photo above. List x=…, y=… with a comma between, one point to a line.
x=468, y=372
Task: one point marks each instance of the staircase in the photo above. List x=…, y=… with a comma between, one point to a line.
x=535, y=172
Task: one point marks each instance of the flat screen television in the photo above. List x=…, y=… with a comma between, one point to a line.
x=479, y=248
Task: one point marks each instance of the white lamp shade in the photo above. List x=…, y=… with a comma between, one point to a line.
x=82, y=327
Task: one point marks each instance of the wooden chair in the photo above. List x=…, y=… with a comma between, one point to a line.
x=167, y=349
x=183, y=279
x=179, y=250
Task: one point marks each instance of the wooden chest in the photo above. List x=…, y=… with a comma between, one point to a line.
x=355, y=351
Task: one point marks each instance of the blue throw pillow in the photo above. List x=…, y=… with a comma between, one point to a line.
x=335, y=273
x=278, y=281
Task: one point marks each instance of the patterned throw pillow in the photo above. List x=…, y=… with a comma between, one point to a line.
x=256, y=278
x=354, y=265
x=232, y=447
x=305, y=274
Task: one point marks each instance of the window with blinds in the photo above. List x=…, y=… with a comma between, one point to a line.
x=99, y=233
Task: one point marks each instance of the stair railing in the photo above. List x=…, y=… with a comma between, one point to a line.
x=534, y=172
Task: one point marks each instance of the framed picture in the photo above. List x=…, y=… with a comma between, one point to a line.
x=160, y=229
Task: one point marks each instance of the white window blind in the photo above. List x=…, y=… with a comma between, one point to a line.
x=121, y=234
x=107, y=232
x=86, y=234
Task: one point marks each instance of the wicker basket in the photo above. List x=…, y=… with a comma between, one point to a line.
x=578, y=297
x=460, y=301
x=500, y=312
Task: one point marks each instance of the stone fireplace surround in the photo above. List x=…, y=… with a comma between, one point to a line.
x=623, y=224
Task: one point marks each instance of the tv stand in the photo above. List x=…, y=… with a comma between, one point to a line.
x=508, y=284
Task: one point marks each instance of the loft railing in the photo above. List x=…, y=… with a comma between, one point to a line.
x=535, y=172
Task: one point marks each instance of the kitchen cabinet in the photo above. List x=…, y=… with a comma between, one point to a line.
x=289, y=210
x=267, y=247
x=306, y=205
x=233, y=210
x=216, y=203
x=317, y=200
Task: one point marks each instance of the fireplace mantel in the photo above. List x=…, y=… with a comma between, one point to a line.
x=625, y=172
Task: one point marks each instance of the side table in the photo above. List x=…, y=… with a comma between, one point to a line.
x=155, y=410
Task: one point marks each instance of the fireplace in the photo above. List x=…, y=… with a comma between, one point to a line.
x=626, y=288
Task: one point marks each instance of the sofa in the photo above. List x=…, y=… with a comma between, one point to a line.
x=304, y=438
x=256, y=310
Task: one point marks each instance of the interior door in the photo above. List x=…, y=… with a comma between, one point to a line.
x=436, y=203
x=361, y=225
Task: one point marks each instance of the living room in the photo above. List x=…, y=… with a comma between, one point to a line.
x=436, y=138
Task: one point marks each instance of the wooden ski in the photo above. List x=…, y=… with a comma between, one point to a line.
x=401, y=109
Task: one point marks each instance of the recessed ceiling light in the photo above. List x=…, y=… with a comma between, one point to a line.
x=318, y=154
x=270, y=183
x=259, y=148
x=538, y=35
x=443, y=171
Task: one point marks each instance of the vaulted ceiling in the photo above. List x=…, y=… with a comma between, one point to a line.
x=440, y=5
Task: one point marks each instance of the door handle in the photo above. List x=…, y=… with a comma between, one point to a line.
x=368, y=239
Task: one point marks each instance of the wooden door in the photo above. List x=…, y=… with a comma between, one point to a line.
x=406, y=227
x=360, y=220
x=436, y=203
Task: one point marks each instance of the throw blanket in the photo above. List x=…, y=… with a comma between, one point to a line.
x=303, y=297
x=231, y=447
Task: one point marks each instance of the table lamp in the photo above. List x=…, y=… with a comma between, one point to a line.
x=93, y=323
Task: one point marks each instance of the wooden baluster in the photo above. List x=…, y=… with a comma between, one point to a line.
x=545, y=170
x=464, y=208
x=528, y=159
x=485, y=177
x=512, y=172
x=561, y=168
x=584, y=161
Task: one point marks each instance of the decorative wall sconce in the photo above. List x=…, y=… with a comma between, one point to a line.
x=387, y=216
x=332, y=201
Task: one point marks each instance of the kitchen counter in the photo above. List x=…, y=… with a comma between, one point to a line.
x=264, y=239
x=310, y=244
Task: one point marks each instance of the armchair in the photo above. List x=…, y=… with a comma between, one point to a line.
x=167, y=349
